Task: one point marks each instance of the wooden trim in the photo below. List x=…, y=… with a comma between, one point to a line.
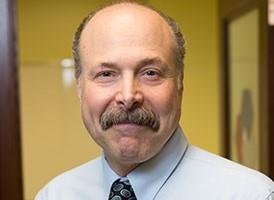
x=263, y=79
x=224, y=78
x=230, y=9
x=271, y=100
x=10, y=156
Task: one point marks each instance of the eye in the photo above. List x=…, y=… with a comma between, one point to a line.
x=151, y=74
x=106, y=76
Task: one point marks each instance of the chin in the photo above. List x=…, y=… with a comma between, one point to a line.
x=136, y=156
x=131, y=151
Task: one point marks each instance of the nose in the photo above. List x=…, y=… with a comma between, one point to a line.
x=129, y=94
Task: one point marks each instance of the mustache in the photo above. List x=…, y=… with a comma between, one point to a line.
x=140, y=116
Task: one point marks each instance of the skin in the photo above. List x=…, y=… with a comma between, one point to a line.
x=128, y=59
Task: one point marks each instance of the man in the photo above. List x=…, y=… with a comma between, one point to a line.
x=129, y=74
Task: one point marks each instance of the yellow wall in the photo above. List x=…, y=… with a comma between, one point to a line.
x=53, y=137
x=46, y=27
x=200, y=115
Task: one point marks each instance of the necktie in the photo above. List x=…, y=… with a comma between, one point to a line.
x=121, y=190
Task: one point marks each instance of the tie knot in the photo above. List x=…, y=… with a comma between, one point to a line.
x=121, y=190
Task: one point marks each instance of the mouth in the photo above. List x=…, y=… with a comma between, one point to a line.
x=128, y=127
x=139, y=117
x=127, y=124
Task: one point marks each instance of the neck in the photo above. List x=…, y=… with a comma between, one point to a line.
x=121, y=169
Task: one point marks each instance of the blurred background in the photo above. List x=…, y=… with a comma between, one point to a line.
x=53, y=138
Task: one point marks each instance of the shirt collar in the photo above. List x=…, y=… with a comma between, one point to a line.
x=109, y=176
x=148, y=178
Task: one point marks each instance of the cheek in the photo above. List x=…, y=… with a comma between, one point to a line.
x=94, y=102
x=164, y=101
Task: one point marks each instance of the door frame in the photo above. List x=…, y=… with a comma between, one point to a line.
x=229, y=10
x=11, y=186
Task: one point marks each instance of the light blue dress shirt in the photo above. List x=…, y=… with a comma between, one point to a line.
x=180, y=171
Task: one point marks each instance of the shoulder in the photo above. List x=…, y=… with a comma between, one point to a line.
x=71, y=181
x=214, y=163
x=201, y=169
x=87, y=171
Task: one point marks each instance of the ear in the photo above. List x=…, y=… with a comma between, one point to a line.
x=79, y=89
x=180, y=82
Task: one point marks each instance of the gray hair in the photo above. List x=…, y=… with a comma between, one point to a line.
x=179, y=39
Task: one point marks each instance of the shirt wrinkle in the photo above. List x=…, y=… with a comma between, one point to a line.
x=270, y=196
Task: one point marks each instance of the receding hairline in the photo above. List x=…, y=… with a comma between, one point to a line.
x=128, y=4
x=172, y=27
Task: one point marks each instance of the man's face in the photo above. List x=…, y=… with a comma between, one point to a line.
x=128, y=87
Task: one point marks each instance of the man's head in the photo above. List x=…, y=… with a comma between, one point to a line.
x=179, y=40
x=129, y=82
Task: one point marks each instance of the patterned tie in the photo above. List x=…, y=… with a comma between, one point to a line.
x=121, y=190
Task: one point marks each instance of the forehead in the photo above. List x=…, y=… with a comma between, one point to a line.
x=126, y=13
x=125, y=24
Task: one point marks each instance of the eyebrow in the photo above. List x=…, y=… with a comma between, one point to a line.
x=150, y=61
x=107, y=64
x=141, y=63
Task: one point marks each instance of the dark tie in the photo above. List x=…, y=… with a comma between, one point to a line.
x=121, y=190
